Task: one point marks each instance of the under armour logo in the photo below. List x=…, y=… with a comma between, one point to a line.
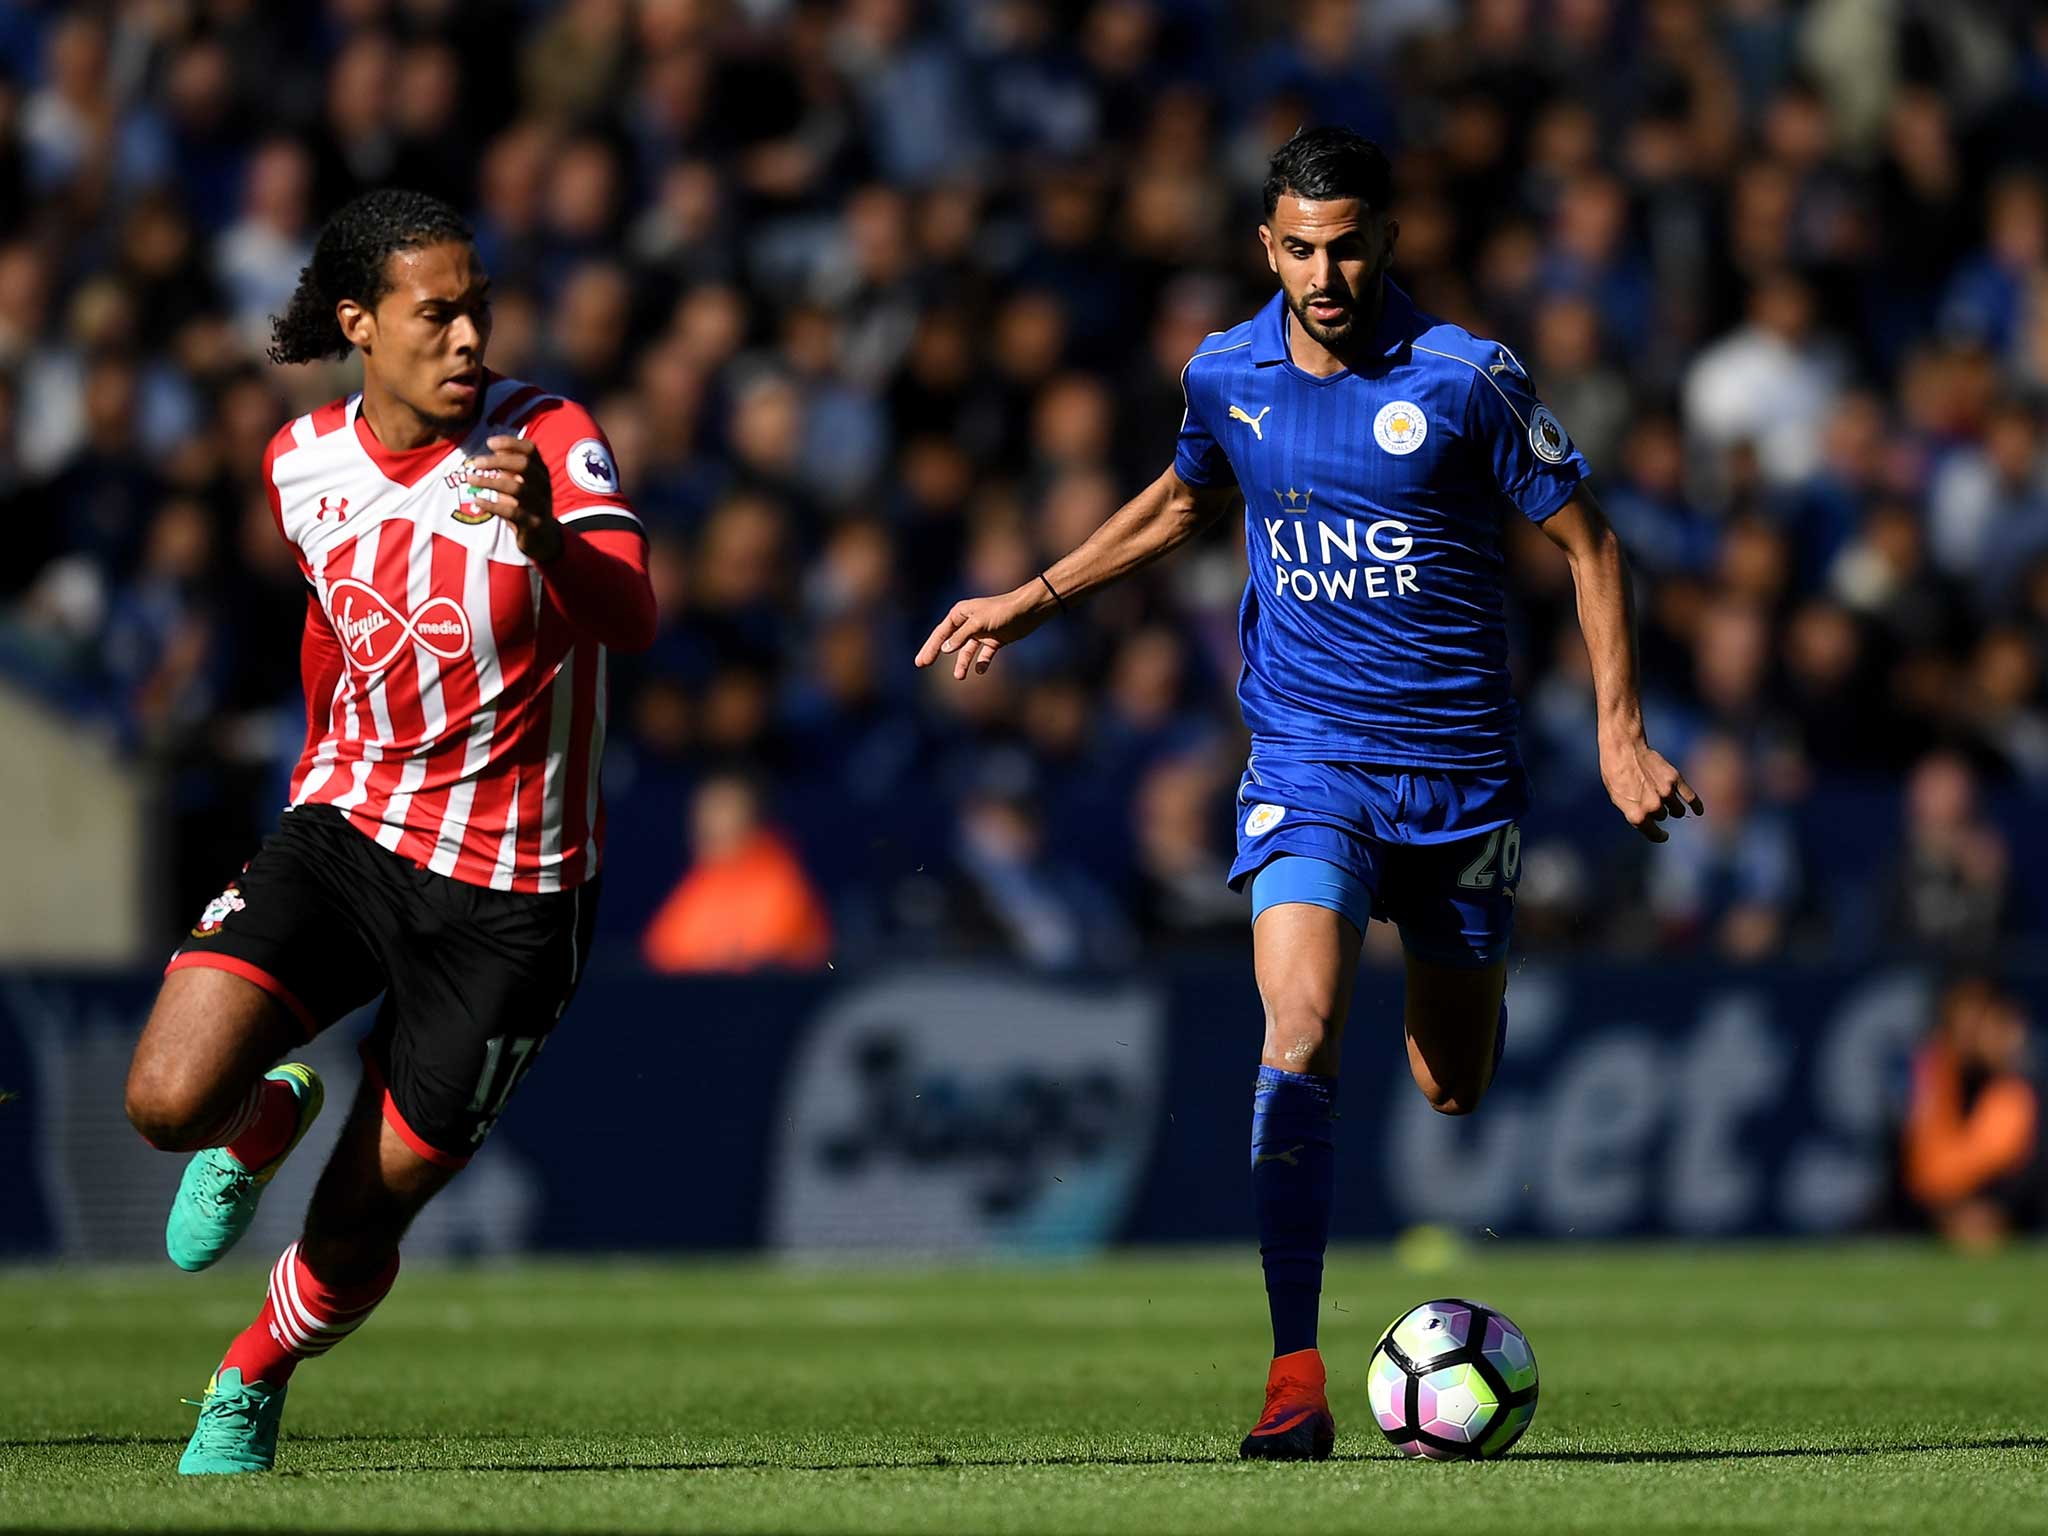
x=1237, y=413
x=1288, y=1157
x=339, y=509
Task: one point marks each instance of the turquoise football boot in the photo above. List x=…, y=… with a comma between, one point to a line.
x=217, y=1198
x=237, y=1428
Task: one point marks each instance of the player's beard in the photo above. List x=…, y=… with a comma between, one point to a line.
x=1345, y=333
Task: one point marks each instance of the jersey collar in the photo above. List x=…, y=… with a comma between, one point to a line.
x=407, y=467
x=1397, y=329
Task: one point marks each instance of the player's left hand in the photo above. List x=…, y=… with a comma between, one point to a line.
x=511, y=482
x=1645, y=787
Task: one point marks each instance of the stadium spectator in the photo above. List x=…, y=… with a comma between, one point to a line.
x=1729, y=884
x=159, y=653
x=258, y=256
x=1986, y=298
x=1588, y=391
x=1970, y=1149
x=1185, y=899
x=1920, y=614
x=1950, y=883
x=1768, y=383
x=1043, y=909
x=1647, y=500
x=1987, y=509
x=745, y=903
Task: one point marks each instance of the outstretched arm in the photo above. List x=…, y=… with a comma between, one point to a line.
x=1643, y=786
x=1158, y=519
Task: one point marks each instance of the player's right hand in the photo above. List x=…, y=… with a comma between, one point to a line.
x=978, y=627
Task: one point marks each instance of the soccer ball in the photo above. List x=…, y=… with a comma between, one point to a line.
x=1453, y=1381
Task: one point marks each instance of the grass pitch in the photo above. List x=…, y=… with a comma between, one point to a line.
x=1765, y=1390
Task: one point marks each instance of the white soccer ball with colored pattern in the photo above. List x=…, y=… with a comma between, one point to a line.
x=1452, y=1380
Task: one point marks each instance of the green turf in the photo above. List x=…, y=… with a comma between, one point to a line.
x=1735, y=1390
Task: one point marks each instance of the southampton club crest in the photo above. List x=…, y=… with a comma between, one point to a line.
x=468, y=510
x=218, y=911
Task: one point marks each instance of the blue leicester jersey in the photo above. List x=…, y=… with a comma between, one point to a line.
x=1372, y=624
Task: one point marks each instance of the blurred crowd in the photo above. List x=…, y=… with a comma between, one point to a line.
x=885, y=301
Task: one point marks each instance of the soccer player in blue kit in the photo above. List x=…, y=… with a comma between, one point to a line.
x=1375, y=451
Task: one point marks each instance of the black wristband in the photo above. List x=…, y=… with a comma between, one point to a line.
x=1055, y=591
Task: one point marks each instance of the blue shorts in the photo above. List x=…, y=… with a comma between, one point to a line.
x=1436, y=852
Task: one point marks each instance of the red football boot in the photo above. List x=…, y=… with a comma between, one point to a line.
x=1296, y=1425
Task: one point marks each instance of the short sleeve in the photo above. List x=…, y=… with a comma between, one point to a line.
x=1533, y=459
x=581, y=467
x=1198, y=459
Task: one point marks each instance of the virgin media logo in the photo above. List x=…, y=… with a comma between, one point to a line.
x=373, y=632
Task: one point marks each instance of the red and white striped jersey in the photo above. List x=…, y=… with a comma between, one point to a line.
x=454, y=714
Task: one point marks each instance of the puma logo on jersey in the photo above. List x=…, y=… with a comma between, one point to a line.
x=1291, y=1157
x=1237, y=413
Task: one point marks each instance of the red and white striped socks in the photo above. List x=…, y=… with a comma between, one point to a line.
x=303, y=1317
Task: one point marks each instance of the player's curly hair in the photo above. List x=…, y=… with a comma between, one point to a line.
x=1321, y=164
x=349, y=262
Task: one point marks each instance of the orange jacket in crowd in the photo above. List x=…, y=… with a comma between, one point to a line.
x=751, y=909
x=1951, y=1154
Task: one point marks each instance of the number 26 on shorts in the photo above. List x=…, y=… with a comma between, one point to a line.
x=1498, y=861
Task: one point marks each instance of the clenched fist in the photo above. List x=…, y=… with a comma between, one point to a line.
x=511, y=482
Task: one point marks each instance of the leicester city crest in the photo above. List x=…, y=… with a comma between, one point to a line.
x=1400, y=426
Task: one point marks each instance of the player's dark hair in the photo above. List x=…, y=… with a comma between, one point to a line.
x=350, y=260
x=1323, y=164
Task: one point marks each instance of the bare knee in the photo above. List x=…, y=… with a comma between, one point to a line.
x=1450, y=1101
x=168, y=1108
x=1453, y=1093
x=1302, y=1030
x=1454, y=1021
x=210, y=1036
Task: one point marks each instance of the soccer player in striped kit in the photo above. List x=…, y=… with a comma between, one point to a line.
x=1374, y=451
x=469, y=560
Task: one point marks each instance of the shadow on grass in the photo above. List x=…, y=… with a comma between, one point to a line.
x=1778, y=1452
x=958, y=1463
x=945, y=1463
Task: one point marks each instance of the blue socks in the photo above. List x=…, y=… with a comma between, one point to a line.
x=1293, y=1182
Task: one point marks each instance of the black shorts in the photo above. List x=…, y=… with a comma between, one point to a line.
x=324, y=919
